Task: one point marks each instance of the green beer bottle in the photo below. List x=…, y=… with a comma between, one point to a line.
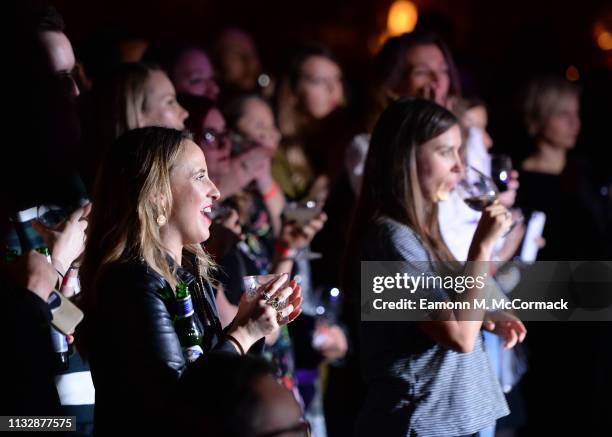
x=44, y=250
x=189, y=334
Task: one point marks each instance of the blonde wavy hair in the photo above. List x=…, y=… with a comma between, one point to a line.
x=119, y=100
x=541, y=100
x=133, y=177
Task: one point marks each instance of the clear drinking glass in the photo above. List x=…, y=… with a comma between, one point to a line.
x=301, y=213
x=254, y=282
x=477, y=189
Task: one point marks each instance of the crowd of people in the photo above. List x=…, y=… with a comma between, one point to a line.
x=145, y=181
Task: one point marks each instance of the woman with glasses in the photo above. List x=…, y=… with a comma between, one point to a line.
x=234, y=164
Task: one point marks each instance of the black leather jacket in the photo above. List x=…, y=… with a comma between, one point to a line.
x=136, y=358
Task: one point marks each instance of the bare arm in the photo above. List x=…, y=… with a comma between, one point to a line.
x=459, y=329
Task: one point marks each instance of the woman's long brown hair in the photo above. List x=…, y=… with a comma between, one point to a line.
x=391, y=184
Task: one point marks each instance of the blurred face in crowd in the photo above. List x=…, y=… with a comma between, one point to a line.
x=62, y=113
x=194, y=74
x=161, y=107
x=61, y=59
x=239, y=60
x=439, y=164
x=320, y=87
x=193, y=194
x=477, y=118
x=215, y=143
x=562, y=127
x=277, y=411
x=257, y=123
x=427, y=74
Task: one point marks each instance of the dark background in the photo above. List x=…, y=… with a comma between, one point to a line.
x=497, y=44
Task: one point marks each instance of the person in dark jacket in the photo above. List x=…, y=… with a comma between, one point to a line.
x=28, y=385
x=153, y=212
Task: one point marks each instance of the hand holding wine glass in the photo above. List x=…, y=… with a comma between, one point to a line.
x=302, y=222
x=479, y=192
x=495, y=222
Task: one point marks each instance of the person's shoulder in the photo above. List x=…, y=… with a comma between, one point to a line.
x=396, y=230
x=396, y=240
x=135, y=275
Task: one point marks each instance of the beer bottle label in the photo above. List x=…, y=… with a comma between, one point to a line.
x=184, y=307
x=192, y=353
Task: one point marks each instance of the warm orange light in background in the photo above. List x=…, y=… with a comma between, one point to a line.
x=572, y=74
x=376, y=42
x=402, y=17
x=603, y=36
x=604, y=41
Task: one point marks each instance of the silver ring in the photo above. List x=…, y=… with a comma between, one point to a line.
x=280, y=319
x=274, y=303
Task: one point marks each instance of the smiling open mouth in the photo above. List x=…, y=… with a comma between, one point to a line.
x=207, y=212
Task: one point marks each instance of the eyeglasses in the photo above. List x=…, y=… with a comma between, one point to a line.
x=68, y=81
x=213, y=139
x=302, y=428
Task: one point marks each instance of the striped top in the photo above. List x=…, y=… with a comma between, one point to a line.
x=415, y=386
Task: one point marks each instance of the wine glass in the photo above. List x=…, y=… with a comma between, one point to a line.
x=301, y=213
x=477, y=189
x=51, y=216
x=253, y=283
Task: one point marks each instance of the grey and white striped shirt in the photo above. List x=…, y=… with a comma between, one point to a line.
x=416, y=387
